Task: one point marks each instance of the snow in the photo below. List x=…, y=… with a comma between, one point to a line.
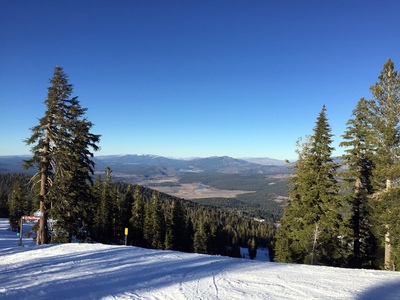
x=96, y=271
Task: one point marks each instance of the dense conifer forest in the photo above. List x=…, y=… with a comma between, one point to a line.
x=154, y=220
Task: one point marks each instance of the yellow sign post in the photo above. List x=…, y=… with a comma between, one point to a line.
x=126, y=236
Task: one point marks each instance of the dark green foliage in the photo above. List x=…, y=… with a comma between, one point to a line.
x=252, y=248
x=157, y=222
x=177, y=228
x=386, y=138
x=104, y=222
x=137, y=218
x=60, y=147
x=160, y=221
x=200, y=238
x=357, y=185
x=125, y=208
x=19, y=204
x=311, y=226
x=368, y=209
x=388, y=210
x=7, y=182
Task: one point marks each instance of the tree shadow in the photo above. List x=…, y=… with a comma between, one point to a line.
x=387, y=291
x=104, y=273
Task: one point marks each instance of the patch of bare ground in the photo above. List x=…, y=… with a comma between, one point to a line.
x=279, y=176
x=281, y=199
x=196, y=191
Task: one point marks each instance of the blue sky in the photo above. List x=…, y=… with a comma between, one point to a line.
x=195, y=78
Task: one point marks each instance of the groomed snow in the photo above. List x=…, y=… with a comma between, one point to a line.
x=96, y=271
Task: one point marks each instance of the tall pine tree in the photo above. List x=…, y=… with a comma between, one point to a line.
x=357, y=185
x=386, y=109
x=61, y=148
x=137, y=218
x=310, y=228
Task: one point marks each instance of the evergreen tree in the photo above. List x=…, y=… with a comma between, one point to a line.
x=188, y=240
x=252, y=248
x=104, y=216
x=388, y=210
x=124, y=211
x=312, y=221
x=126, y=207
x=117, y=198
x=4, y=211
x=291, y=245
x=18, y=205
x=200, y=238
x=158, y=222
x=358, y=158
x=137, y=218
x=386, y=109
x=168, y=242
x=70, y=194
x=178, y=232
x=148, y=225
x=61, y=143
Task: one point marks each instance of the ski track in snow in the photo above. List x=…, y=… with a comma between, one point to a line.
x=96, y=271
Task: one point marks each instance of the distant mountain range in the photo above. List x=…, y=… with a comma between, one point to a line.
x=214, y=164
x=148, y=165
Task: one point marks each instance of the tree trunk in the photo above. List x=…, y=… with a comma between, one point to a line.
x=315, y=240
x=388, y=264
x=41, y=238
x=356, y=225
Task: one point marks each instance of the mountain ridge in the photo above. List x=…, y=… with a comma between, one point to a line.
x=138, y=167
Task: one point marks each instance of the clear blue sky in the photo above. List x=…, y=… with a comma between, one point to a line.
x=195, y=78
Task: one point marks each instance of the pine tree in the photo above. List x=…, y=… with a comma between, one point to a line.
x=312, y=221
x=148, y=231
x=158, y=222
x=44, y=137
x=386, y=109
x=252, y=248
x=18, y=205
x=124, y=211
x=61, y=144
x=188, y=240
x=178, y=233
x=104, y=226
x=387, y=220
x=71, y=195
x=291, y=244
x=358, y=158
x=137, y=218
x=168, y=242
x=200, y=238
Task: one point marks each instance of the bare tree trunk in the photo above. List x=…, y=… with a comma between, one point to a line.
x=356, y=226
x=388, y=264
x=315, y=240
x=42, y=233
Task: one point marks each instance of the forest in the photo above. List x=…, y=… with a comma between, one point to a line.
x=341, y=213
x=154, y=220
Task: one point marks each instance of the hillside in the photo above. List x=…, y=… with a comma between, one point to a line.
x=96, y=271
